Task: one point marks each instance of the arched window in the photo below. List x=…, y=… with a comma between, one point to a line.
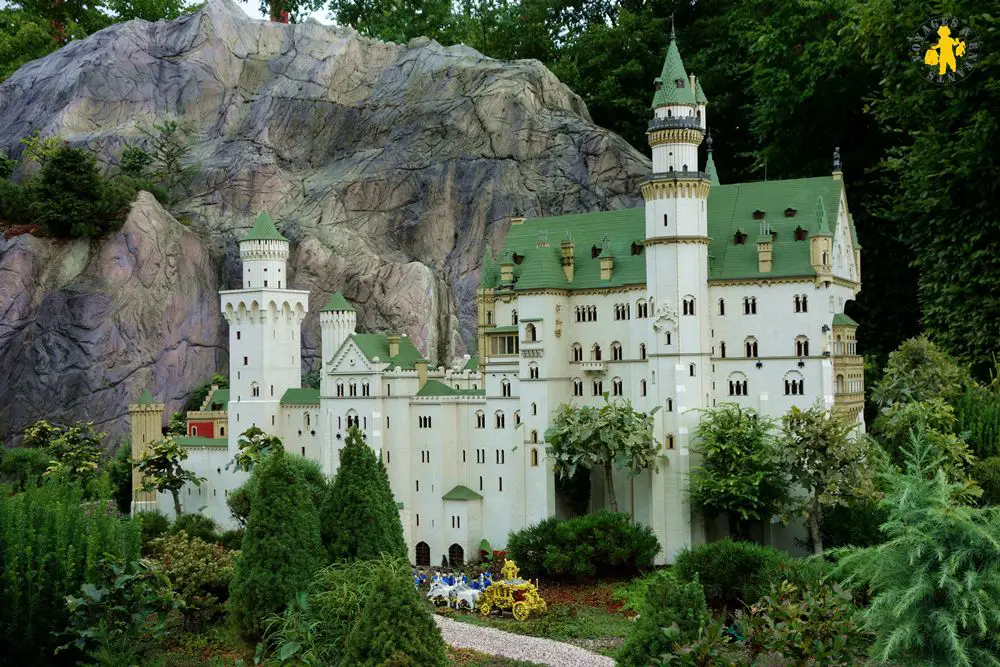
x=505, y=388
x=534, y=437
x=222, y=430
x=616, y=351
x=305, y=420
x=616, y=387
x=340, y=389
x=840, y=384
x=194, y=430
x=598, y=387
x=687, y=305
x=805, y=303
x=750, y=346
x=513, y=317
x=533, y=371
x=480, y=419
x=577, y=387
x=423, y=552
x=365, y=388
x=534, y=409
x=577, y=352
x=498, y=419
x=530, y=333
x=801, y=346
x=722, y=306
x=797, y=303
x=738, y=385
x=749, y=305
x=517, y=417
x=641, y=309
x=254, y=389
x=642, y=387
x=489, y=318
x=534, y=457
x=595, y=352
x=795, y=385
x=722, y=349
x=691, y=370
x=642, y=350
x=352, y=389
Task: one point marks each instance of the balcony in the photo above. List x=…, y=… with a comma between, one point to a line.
x=593, y=366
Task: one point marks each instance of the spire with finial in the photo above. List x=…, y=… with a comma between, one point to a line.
x=713, y=175
x=837, y=173
x=673, y=86
x=673, y=31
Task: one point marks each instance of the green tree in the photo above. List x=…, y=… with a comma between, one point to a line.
x=360, y=517
x=7, y=166
x=75, y=451
x=395, y=627
x=22, y=466
x=831, y=466
x=170, y=150
x=935, y=584
x=740, y=474
x=612, y=435
x=281, y=547
x=918, y=371
x=177, y=424
x=23, y=38
x=254, y=446
x=162, y=470
x=119, y=469
x=934, y=420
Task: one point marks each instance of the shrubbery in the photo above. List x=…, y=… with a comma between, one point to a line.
x=22, y=466
x=732, y=573
x=360, y=518
x=595, y=545
x=50, y=543
x=666, y=602
x=281, y=548
x=152, y=525
x=196, y=525
x=199, y=572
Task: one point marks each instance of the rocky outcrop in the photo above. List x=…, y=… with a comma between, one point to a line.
x=388, y=166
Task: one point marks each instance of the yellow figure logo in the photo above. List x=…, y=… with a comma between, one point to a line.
x=943, y=53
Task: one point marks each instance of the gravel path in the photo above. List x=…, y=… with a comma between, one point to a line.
x=518, y=647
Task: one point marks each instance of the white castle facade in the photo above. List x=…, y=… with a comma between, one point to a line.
x=708, y=294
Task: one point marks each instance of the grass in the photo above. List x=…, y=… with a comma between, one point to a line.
x=469, y=658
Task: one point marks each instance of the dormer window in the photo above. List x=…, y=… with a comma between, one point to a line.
x=636, y=248
x=790, y=212
x=758, y=214
x=595, y=252
x=800, y=234
x=740, y=238
x=680, y=83
x=517, y=258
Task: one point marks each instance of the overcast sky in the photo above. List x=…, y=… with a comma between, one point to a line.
x=252, y=8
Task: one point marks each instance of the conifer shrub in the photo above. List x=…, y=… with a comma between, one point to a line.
x=199, y=573
x=51, y=541
x=152, y=525
x=15, y=203
x=360, y=517
x=281, y=548
x=395, y=628
x=666, y=603
x=23, y=466
x=312, y=476
x=732, y=573
x=232, y=540
x=596, y=545
x=196, y=525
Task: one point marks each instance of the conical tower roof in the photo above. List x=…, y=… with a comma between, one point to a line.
x=337, y=302
x=713, y=175
x=146, y=398
x=699, y=94
x=673, y=84
x=264, y=230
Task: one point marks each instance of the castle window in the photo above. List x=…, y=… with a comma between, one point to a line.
x=194, y=430
x=636, y=248
x=513, y=317
x=480, y=482
x=722, y=349
x=670, y=405
x=598, y=387
x=499, y=419
x=489, y=318
x=245, y=361
x=500, y=484
x=800, y=234
x=790, y=213
x=534, y=437
x=740, y=238
x=665, y=220
x=480, y=419
x=616, y=351
x=533, y=371
x=340, y=389
x=595, y=352
x=691, y=370
x=352, y=389
x=255, y=390
x=578, y=387
x=616, y=387
x=642, y=350
x=670, y=442
x=517, y=417
x=642, y=387
x=795, y=385
x=365, y=388
x=687, y=305
x=738, y=385
x=530, y=333
x=237, y=335
x=534, y=409
x=222, y=430
x=669, y=337
x=722, y=307
x=750, y=346
x=749, y=305
x=505, y=388
x=534, y=457
x=595, y=252
x=801, y=346
x=801, y=303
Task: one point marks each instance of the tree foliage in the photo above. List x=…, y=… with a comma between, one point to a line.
x=612, y=436
x=163, y=471
x=254, y=446
x=360, y=517
x=935, y=422
x=823, y=459
x=281, y=547
x=917, y=371
x=666, y=603
x=740, y=474
x=935, y=584
x=74, y=451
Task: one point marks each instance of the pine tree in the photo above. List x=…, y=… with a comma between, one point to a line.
x=282, y=549
x=395, y=628
x=360, y=517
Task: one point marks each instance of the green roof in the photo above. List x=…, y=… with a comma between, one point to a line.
x=472, y=364
x=377, y=345
x=730, y=209
x=220, y=398
x=699, y=94
x=434, y=388
x=489, y=277
x=303, y=396
x=264, y=230
x=710, y=169
x=146, y=398
x=198, y=441
x=510, y=328
x=674, y=84
x=461, y=493
x=843, y=320
x=338, y=302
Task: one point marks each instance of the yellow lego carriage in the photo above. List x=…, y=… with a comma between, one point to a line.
x=511, y=594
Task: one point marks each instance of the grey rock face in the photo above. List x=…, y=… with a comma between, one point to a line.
x=388, y=166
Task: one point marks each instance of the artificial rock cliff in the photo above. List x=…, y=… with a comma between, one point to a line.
x=388, y=166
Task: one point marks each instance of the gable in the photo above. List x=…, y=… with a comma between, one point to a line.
x=349, y=359
x=843, y=245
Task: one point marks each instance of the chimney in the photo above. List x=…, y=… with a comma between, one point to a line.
x=421, y=366
x=393, y=340
x=517, y=220
x=765, y=247
x=567, y=258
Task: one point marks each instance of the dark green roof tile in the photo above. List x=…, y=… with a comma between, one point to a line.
x=338, y=303
x=434, y=388
x=675, y=86
x=461, y=493
x=377, y=345
x=146, y=398
x=264, y=230
x=841, y=320
x=220, y=399
x=472, y=364
x=303, y=396
x=198, y=441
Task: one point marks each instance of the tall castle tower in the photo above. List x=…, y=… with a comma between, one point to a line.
x=676, y=252
x=146, y=420
x=265, y=318
x=337, y=323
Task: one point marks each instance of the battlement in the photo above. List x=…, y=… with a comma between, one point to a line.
x=259, y=305
x=266, y=249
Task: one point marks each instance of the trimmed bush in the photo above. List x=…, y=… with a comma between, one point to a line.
x=360, y=517
x=196, y=525
x=310, y=472
x=200, y=573
x=395, y=628
x=51, y=542
x=596, y=545
x=232, y=540
x=666, y=602
x=152, y=525
x=23, y=466
x=732, y=573
x=281, y=549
